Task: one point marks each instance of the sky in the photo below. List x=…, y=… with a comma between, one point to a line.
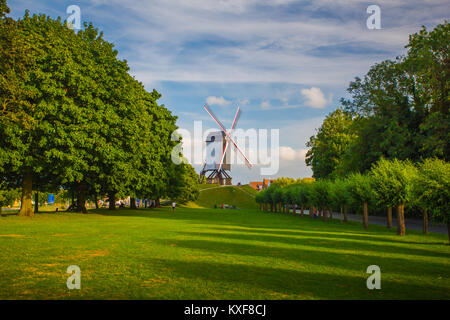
x=286, y=63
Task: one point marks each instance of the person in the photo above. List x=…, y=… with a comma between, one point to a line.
x=173, y=206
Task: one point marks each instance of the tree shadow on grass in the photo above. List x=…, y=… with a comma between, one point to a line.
x=247, y=221
x=353, y=261
x=288, y=283
x=342, y=236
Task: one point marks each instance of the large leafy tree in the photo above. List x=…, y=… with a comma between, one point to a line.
x=400, y=109
x=330, y=143
x=387, y=117
x=72, y=116
x=429, y=61
x=34, y=140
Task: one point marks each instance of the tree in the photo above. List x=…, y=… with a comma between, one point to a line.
x=320, y=194
x=432, y=188
x=276, y=196
x=184, y=184
x=392, y=185
x=340, y=197
x=72, y=116
x=303, y=197
x=361, y=192
x=330, y=143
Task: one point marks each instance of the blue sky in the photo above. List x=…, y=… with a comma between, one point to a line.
x=285, y=62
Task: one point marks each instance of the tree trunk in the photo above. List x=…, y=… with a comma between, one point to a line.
x=133, y=203
x=425, y=221
x=81, y=197
x=403, y=220
x=400, y=226
x=325, y=214
x=36, y=201
x=157, y=203
x=366, y=215
x=389, y=218
x=341, y=215
x=301, y=212
x=345, y=214
x=112, y=200
x=96, y=201
x=27, y=190
x=271, y=207
x=330, y=211
x=311, y=212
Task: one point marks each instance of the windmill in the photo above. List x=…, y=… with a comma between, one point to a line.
x=217, y=164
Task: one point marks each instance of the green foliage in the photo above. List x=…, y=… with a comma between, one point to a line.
x=340, y=194
x=8, y=196
x=392, y=181
x=320, y=193
x=360, y=188
x=431, y=188
x=328, y=145
x=398, y=110
x=303, y=195
x=73, y=116
x=184, y=184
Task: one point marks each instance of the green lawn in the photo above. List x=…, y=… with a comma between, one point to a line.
x=241, y=197
x=214, y=254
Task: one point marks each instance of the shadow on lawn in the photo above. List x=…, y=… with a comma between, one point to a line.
x=319, y=241
x=297, y=283
x=360, y=261
x=245, y=220
x=340, y=236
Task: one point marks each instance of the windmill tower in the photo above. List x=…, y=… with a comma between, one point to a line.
x=217, y=165
x=213, y=170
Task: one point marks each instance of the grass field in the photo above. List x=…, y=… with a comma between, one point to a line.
x=210, y=195
x=214, y=254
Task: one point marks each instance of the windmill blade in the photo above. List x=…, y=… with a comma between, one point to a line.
x=226, y=134
x=226, y=144
x=215, y=119
x=240, y=151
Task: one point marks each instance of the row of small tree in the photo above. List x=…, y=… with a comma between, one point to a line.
x=72, y=116
x=390, y=184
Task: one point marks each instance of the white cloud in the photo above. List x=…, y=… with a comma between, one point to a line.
x=265, y=105
x=260, y=47
x=244, y=101
x=290, y=154
x=220, y=101
x=315, y=98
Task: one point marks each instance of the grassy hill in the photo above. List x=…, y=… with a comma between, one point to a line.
x=240, y=196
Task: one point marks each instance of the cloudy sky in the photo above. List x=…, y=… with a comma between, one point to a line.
x=286, y=63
